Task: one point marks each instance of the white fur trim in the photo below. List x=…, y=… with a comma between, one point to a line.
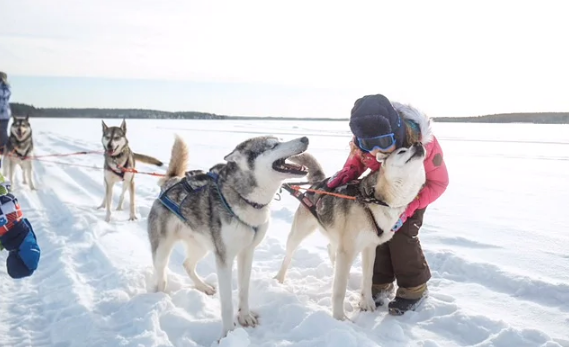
x=424, y=121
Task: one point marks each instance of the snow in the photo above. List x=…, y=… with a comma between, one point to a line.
x=496, y=243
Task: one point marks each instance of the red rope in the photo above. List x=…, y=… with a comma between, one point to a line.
x=324, y=192
x=123, y=169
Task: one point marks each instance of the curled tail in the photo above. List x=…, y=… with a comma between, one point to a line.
x=315, y=171
x=147, y=159
x=178, y=161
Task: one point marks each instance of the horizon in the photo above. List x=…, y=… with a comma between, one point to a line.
x=247, y=60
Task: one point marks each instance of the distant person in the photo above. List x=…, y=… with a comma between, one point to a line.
x=378, y=128
x=5, y=112
x=16, y=235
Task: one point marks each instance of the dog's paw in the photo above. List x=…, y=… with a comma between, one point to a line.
x=250, y=319
x=132, y=218
x=366, y=303
x=108, y=218
x=206, y=288
x=279, y=278
x=341, y=316
x=160, y=286
x=119, y=208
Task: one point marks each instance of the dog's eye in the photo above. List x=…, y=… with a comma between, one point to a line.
x=401, y=152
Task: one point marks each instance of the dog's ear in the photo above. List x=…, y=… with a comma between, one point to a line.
x=123, y=126
x=231, y=157
x=105, y=127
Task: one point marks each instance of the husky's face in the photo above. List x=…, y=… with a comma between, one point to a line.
x=20, y=127
x=114, y=138
x=266, y=157
x=405, y=164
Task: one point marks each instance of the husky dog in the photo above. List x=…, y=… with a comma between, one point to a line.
x=354, y=226
x=225, y=211
x=19, y=146
x=118, y=157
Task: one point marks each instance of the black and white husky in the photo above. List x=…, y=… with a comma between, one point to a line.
x=353, y=226
x=225, y=211
x=119, y=158
x=19, y=148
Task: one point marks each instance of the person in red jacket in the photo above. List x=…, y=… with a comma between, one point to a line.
x=379, y=126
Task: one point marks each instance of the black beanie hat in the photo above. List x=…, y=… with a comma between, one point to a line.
x=373, y=115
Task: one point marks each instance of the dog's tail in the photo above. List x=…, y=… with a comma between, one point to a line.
x=147, y=159
x=178, y=161
x=315, y=171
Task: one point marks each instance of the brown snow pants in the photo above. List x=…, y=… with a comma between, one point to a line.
x=402, y=259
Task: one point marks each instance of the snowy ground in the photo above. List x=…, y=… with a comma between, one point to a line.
x=497, y=243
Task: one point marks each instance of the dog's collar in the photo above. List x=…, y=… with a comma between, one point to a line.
x=252, y=203
x=117, y=156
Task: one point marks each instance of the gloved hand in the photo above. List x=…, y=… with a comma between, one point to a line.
x=399, y=223
x=342, y=177
x=24, y=254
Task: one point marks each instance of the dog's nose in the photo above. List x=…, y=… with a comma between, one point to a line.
x=419, y=149
x=304, y=140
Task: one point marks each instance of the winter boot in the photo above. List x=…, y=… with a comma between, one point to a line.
x=407, y=299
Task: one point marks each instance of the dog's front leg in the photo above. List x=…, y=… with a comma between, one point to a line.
x=104, y=203
x=30, y=172
x=109, y=198
x=11, y=171
x=244, y=263
x=344, y=260
x=366, y=300
x=132, y=201
x=224, y=269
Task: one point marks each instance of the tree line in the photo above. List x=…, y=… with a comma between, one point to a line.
x=24, y=109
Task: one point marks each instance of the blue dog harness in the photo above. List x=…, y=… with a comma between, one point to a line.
x=193, y=186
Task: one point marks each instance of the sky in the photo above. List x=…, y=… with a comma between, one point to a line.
x=289, y=58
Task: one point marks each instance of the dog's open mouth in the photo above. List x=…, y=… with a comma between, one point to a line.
x=112, y=151
x=284, y=166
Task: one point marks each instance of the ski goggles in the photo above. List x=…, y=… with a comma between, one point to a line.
x=384, y=143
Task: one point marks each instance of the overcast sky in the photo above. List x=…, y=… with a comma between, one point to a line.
x=290, y=58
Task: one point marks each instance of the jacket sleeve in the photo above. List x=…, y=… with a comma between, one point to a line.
x=436, y=180
x=5, y=92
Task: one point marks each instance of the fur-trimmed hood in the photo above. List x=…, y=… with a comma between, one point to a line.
x=413, y=114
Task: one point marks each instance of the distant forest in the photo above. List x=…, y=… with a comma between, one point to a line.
x=23, y=109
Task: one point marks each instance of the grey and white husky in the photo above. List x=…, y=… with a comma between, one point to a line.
x=353, y=226
x=225, y=211
x=19, y=146
x=118, y=157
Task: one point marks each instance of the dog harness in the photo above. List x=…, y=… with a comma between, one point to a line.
x=13, y=144
x=194, y=182
x=351, y=189
x=119, y=173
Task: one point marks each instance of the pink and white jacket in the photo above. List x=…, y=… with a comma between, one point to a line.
x=436, y=172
